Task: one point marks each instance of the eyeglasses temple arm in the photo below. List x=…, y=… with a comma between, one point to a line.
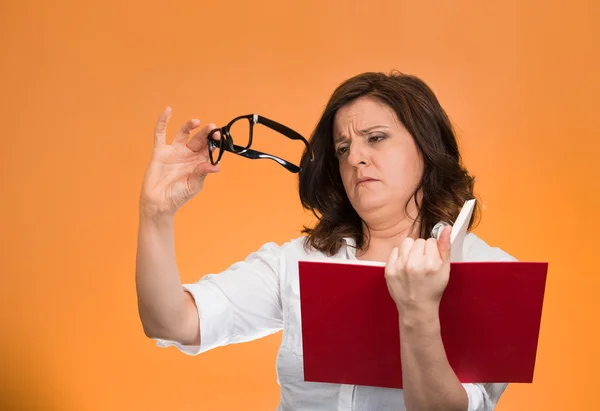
x=286, y=131
x=256, y=155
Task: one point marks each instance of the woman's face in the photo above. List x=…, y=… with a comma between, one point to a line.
x=379, y=162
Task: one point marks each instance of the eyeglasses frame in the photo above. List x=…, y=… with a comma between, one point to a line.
x=226, y=141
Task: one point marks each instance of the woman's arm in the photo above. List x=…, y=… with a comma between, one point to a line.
x=175, y=174
x=417, y=276
x=428, y=380
x=165, y=309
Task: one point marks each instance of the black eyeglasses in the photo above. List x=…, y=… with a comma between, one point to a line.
x=242, y=129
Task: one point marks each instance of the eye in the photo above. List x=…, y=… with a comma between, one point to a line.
x=341, y=151
x=375, y=138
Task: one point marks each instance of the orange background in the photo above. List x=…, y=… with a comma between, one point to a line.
x=83, y=83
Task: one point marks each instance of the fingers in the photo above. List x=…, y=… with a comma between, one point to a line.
x=199, y=140
x=404, y=254
x=418, y=249
x=431, y=248
x=199, y=173
x=432, y=256
x=422, y=255
x=195, y=143
x=405, y=248
x=160, y=129
x=203, y=169
x=444, y=245
x=185, y=131
x=390, y=267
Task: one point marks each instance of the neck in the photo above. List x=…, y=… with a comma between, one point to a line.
x=387, y=228
x=380, y=239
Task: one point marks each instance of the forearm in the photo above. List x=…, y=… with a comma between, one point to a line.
x=160, y=294
x=429, y=381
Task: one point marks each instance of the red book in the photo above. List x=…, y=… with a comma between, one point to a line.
x=489, y=315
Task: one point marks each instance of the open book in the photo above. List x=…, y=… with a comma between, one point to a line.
x=490, y=317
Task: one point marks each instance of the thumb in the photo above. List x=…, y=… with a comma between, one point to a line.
x=200, y=172
x=205, y=168
x=444, y=244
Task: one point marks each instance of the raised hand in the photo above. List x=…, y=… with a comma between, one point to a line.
x=176, y=171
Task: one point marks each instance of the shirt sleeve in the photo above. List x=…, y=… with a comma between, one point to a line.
x=484, y=397
x=240, y=304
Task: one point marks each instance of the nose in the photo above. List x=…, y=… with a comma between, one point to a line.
x=357, y=154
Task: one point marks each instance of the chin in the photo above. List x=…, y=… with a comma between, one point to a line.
x=369, y=202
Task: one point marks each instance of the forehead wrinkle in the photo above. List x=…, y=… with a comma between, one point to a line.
x=363, y=131
x=349, y=119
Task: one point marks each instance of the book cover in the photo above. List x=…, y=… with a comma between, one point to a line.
x=490, y=317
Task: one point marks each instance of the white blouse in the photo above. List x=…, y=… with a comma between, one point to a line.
x=260, y=296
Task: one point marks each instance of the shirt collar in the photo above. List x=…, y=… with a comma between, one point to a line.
x=350, y=243
x=350, y=248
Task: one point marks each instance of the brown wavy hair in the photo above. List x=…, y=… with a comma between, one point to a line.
x=445, y=184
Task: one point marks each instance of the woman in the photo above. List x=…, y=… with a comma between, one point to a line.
x=386, y=170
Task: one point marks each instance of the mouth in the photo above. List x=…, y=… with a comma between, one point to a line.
x=365, y=180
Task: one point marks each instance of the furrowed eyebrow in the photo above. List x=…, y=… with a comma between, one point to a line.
x=339, y=139
x=366, y=130
x=342, y=138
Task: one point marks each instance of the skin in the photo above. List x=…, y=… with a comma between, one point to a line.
x=175, y=174
x=371, y=142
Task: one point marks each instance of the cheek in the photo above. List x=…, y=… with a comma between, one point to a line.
x=345, y=174
x=404, y=171
x=414, y=166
